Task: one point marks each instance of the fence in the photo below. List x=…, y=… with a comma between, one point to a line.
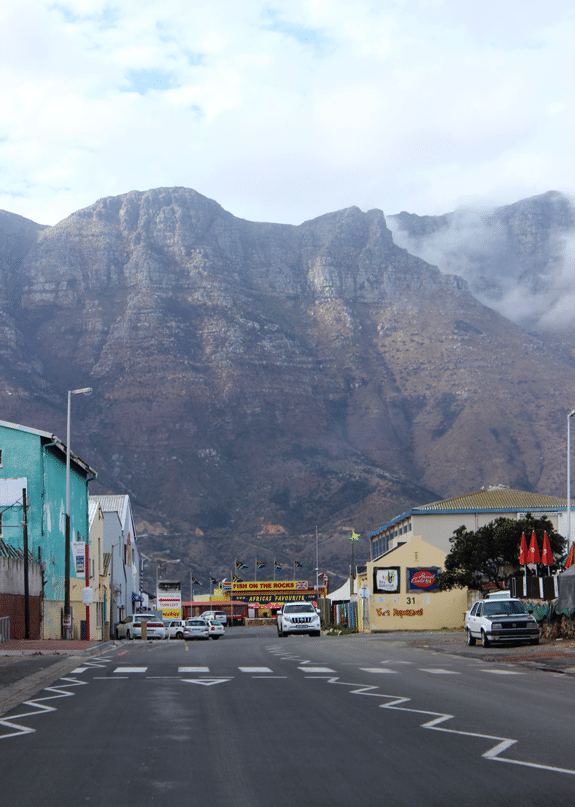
x=538, y=588
x=4, y=629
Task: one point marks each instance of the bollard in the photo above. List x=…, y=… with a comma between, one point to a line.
x=144, y=629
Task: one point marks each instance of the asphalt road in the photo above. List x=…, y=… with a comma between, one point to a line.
x=252, y=720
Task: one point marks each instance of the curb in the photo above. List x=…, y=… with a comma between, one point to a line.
x=14, y=694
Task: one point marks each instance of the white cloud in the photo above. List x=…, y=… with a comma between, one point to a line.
x=285, y=110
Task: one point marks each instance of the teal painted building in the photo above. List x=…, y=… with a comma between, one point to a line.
x=35, y=461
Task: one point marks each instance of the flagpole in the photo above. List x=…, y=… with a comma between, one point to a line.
x=274, y=569
x=256, y=569
x=191, y=593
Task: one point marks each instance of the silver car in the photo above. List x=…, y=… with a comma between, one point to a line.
x=131, y=627
x=196, y=628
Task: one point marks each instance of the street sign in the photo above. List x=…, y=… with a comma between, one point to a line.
x=87, y=596
x=364, y=592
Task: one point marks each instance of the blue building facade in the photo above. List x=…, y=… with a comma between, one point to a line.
x=35, y=461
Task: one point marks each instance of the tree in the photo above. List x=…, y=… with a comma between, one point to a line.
x=490, y=556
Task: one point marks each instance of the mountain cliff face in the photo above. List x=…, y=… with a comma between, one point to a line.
x=253, y=381
x=518, y=259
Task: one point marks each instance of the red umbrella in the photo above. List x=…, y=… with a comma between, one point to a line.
x=523, y=550
x=533, y=554
x=570, y=557
x=547, y=555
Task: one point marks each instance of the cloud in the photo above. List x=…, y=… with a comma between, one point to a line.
x=285, y=110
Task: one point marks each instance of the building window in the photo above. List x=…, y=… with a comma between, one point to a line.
x=0, y=457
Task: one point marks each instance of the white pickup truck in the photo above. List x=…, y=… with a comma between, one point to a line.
x=298, y=617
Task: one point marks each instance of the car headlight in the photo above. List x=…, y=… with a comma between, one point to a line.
x=496, y=626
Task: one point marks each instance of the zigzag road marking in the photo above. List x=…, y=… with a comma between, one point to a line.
x=40, y=708
x=494, y=753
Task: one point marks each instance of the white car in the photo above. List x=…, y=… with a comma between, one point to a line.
x=298, y=617
x=216, y=616
x=503, y=620
x=215, y=629
x=131, y=627
x=175, y=628
x=196, y=628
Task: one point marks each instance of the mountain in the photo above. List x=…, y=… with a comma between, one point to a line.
x=518, y=259
x=255, y=381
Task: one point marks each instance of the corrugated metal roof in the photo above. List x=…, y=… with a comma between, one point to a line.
x=113, y=504
x=57, y=442
x=92, y=510
x=495, y=498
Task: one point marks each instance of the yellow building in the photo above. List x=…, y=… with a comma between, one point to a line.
x=402, y=591
x=98, y=577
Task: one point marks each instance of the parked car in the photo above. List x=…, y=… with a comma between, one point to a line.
x=500, y=620
x=175, y=628
x=298, y=617
x=216, y=616
x=215, y=629
x=131, y=627
x=196, y=628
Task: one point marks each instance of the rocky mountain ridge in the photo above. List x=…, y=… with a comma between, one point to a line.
x=253, y=381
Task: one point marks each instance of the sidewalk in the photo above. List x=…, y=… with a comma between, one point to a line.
x=29, y=665
x=550, y=655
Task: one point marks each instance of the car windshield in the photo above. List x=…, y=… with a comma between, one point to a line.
x=299, y=608
x=504, y=607
x=194, y=623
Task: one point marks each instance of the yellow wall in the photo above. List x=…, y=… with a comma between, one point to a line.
x=408, y=610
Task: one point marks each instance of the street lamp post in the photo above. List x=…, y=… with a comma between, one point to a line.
x=67, y=615
x=569, y=416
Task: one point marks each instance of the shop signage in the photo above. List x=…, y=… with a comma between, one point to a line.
x=386, y=579
x=422, y=579
x=169, y=595
x=269, y=585
x=171, y=613
x=275, y=597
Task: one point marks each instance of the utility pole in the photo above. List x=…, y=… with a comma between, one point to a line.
x=26, y=582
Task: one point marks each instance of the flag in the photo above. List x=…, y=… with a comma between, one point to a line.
x=547, y=555
x=354, y=536
x=533, y=554
x=570, y=557
x=523, y=550
x=196, y=582
x=236, y=579
x=297, y=564
x=277, y=566
x=240, y=565
x=260, y=564
x=213, y=581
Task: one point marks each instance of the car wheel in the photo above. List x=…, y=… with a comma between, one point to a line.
x=128, y=635
x=214, y=637
x=179, y=635
x=279, y=632
x=470, y=639
x=534, y=641
x=315, y=633
x=484, y=639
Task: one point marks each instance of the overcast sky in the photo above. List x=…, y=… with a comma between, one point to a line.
x=283, y=111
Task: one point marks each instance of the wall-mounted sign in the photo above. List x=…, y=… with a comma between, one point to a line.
x=422, y=579
x=79, y=556
x=387, y=579
x=169, y=595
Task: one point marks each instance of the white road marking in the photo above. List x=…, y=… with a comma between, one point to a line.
x=378, y=670
x=316, y=669
x=206, y=682
x=193, y=669
x=78, y=670
x=130, y=669
x=439, y=671
x=255, y=669
x=503, y=672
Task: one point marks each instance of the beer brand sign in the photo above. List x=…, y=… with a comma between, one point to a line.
x=422, y=579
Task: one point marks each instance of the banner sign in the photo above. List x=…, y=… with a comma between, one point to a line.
x=79, y=556
x=269, y=585
x=422, y=579
x=171, y=613
x=386, y=579
x=169, y=595
x=274, y=599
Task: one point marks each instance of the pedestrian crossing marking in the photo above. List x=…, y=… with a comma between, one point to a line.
x=503, y=672
x=316, y=669
x=378, y=670
x=438, y=671
x=255, y=669
x=130, y=669
x=206, y=682
x=193, y=669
